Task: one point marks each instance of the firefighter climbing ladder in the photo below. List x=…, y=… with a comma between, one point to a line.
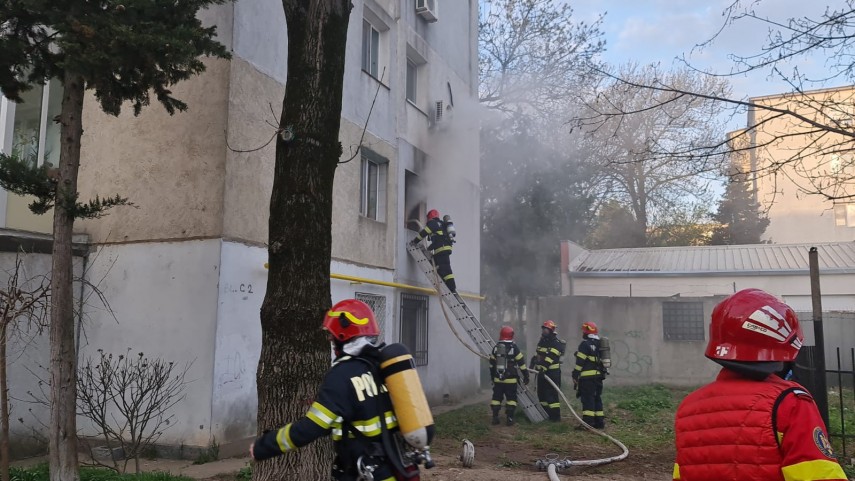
x=467, y=320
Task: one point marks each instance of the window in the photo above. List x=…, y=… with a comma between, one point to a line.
x=34, y=134
x=844, y=215
x=370, y=49
x=377, y=304
x=414, y=333
x=683, y=321
x=412, y=81
x=372, y=195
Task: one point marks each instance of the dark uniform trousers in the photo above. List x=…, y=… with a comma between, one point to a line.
x=443, y=268
x=505, y=383
x=590, y=393
x=589, y=374
x=548, y=363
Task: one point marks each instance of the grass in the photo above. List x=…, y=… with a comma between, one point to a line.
x=640, y=416
x=40, y=473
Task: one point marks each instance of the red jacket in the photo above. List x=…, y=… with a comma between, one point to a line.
x=726, y=431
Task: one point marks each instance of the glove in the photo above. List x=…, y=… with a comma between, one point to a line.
x=413, y=242
x=525, y=378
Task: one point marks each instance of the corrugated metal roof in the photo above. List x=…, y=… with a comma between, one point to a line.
x=716, y=259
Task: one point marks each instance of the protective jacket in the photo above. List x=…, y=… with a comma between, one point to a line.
x=507, y=363
x=353, y=406
x=588, y=363
x=736, y=428
x=434, y=230
x=549, y=351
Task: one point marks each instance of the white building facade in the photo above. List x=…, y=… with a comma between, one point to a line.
x=184, y=271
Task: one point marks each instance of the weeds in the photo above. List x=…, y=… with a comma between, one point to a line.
x=41, y=473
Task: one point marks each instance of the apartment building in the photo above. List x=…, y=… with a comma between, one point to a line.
x=791, y=160
x=183, y=270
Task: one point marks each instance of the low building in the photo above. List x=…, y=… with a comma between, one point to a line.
x=654, y=304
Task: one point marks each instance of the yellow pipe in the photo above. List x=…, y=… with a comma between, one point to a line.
x=390, y=284
x=396, y=284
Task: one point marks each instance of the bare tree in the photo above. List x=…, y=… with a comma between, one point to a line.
x=636, y=152
x=806, y=136
x=532, y=53
x=23, y=304
x=128, y=398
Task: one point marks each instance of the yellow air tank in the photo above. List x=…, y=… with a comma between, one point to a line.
x=408, y=398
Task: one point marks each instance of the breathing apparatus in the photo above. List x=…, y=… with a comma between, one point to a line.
x=450, y=231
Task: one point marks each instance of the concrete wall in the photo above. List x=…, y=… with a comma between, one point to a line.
x=28, y=358
x=165, y=299
x=640, y=354
x=170, y=167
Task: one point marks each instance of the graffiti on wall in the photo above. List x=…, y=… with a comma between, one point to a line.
x=627, y=360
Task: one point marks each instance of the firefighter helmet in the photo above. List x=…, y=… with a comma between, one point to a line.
x=549, y=325
x=754, y=326
x=506, y=333
x=432, y=214
x=350, y=318
x=590, y=328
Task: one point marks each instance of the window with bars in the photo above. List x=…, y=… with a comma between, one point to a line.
x=377, y=303
x=683, y=321
x=414, y=326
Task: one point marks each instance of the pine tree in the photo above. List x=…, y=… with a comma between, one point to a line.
x=122, y=50
x=739, y=215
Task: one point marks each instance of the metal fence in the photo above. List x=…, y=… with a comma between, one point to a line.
x=837, y=403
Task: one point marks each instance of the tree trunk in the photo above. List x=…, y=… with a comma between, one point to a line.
x=294, y=351
x=63, y=355
x=4, y=405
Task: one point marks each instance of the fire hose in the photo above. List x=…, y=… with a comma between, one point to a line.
x=550, y=462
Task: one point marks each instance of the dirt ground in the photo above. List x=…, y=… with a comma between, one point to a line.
x=507, y=459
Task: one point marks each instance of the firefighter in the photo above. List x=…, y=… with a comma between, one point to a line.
x=439, y=235
x=750, y=423
x=352, y=404
x=507, y=362
x=588, y=376
x=547, y=363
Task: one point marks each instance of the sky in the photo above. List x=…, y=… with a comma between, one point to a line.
x=649, y=31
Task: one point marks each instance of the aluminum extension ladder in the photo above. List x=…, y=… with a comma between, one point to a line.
x=467, y=320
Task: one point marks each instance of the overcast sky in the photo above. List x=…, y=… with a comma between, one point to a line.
x=650, y=31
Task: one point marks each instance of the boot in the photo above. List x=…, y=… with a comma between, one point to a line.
x=509, y=411
x=496, y=414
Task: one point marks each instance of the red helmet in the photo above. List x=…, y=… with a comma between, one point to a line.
x=432, y=214
x=753, y=325
x=506, y=333
x=590, y=328
x=350, y=318
x=549, y=325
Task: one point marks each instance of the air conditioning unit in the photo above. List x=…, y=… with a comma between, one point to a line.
x=427, y=10
x=441, y=114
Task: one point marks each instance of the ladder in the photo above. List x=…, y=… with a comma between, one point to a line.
x=467, y=320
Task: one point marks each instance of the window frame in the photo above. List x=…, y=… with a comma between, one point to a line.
x=844, y=214
x=411, y=90
x=370, y=48
x=375, y=210
x=675, y=321
x=414, y=332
